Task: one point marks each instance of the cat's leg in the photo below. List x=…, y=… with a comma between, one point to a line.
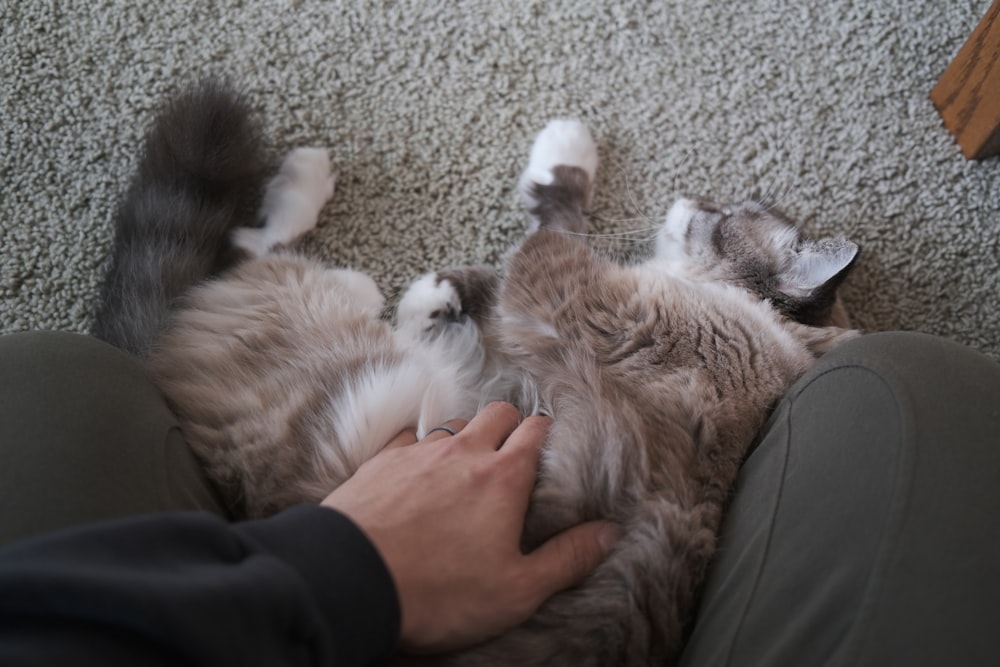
x=450, y=313
x=558, y=183
x=556, y=188
x=552, y=267
x=292, y=202
x=552, y=264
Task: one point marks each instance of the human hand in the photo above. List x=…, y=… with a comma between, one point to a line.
x=447, y=513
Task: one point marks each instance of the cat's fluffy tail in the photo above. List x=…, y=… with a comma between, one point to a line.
x=198, y=177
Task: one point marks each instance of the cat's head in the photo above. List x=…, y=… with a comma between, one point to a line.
x=754, y=246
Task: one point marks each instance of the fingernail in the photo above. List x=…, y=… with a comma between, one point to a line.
x=609, y=535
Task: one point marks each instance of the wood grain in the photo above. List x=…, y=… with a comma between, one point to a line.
x=968, y=94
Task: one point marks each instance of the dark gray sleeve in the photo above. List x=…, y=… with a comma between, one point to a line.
x=305, y=587
x=864, y=527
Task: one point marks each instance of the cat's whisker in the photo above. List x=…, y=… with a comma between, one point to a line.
x=632, y=200
x=775, y=196
x=615, y=235
x=600, y=218
x=627, y=238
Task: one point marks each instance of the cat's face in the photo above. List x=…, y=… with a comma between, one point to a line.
x=755, y=247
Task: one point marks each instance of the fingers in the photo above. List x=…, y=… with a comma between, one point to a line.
x=570, y=557
x=445, y=430
x=409, y=436
x=520, y=454
x=529, y=438
x=491, y=427
x=403, y=438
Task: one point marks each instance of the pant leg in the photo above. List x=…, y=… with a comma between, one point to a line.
x=85, y=437
x=864, y=529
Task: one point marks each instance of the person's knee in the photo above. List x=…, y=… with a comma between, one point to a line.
x=911, y=356
x=947, y=390
x=885, y=447
x=91, y=387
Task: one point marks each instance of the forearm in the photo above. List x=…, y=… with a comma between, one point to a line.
x=304, y=587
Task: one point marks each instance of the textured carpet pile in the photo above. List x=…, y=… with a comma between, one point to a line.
x=429, y=109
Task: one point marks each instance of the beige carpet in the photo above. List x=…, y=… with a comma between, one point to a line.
x=429, y=108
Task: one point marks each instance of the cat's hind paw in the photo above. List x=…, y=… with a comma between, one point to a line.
x=292, y=202
x=428, y=305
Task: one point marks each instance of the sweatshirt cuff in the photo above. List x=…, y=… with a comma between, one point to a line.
x=350, y=582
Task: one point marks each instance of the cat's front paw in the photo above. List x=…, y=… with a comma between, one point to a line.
x=292, y=202
x=558, y=182
x=428, y=305
x=561, y=143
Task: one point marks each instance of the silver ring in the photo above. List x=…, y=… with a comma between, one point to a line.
x=446, y=429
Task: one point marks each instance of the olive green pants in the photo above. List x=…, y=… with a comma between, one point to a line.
x=864, y=529
x=84, y=436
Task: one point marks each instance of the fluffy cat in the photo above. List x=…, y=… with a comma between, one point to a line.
x=657, y=375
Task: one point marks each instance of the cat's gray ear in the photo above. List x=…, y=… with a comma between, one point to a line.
x=821, y=264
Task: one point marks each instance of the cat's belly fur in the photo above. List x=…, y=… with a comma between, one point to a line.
x=285, y=380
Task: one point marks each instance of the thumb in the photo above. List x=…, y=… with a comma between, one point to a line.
x=570, y=557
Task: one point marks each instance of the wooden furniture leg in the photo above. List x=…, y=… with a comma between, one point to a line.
x=968, y=94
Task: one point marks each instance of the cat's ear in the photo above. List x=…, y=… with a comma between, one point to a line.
x=817, y=267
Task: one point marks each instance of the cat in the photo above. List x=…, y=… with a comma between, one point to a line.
x=657, y=375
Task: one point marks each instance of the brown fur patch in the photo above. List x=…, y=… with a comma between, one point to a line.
x=560, y=204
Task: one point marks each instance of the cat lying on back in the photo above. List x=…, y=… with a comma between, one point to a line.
x=657, y=375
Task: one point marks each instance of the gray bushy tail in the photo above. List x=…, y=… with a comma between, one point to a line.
x=200, y=175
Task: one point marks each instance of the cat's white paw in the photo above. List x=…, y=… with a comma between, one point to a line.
x=428, y=305
x=292, y=201
x=562, y=142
